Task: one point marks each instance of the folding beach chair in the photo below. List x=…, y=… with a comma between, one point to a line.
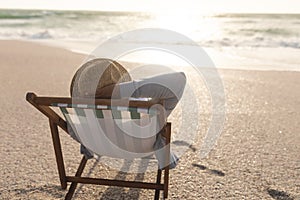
x=85, y=120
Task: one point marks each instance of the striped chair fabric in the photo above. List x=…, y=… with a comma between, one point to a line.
x=115, y=131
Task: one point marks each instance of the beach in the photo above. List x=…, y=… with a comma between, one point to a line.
x=256, y=156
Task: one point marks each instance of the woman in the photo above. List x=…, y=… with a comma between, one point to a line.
x=105, y=78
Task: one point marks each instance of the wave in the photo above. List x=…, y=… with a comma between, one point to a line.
x=21, y=14
x=31, y=14
x=268, y=31
x=254, y=42
x=232, y=30
x=44, y=34
x=258, y=16
x=41, y=35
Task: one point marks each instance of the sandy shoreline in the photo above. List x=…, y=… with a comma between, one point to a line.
x=257, y=155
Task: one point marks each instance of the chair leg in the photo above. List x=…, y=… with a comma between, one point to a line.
x=166, y=182
x=167, y=168
x=158, y=180
x=78, y=174
x=58, y=154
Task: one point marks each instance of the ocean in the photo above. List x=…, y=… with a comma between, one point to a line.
x=239, y=41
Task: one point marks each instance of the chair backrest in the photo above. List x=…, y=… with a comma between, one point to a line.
x=116, y=131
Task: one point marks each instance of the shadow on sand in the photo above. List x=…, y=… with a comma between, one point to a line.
x=279, y=195
x=184, y=143
x=50, y=190
x=211, y=171
x=119, y=192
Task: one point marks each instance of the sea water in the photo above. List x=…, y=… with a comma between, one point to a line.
x=239, y=41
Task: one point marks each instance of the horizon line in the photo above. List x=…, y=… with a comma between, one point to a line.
x=150, y=12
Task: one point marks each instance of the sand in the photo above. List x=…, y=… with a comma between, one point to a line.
x=256, y=157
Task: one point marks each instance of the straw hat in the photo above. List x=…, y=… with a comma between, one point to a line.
x=95, y=74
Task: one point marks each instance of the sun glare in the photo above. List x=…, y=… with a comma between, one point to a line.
x=193, y=25
x=183, y=23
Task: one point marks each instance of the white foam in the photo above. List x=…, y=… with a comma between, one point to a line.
x=259, y=58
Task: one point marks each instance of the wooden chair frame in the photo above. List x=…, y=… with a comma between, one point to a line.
x=43, y=104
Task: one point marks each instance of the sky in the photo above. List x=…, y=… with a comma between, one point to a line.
x=191, y=6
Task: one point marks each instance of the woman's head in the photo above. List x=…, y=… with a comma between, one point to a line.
x=96, y=74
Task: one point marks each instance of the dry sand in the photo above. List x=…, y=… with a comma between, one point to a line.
x=256, y=157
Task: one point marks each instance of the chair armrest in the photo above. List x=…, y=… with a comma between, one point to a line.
x=132, y=102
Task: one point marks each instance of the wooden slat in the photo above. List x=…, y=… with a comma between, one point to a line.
x=48, y=101
x=119, y=183
x=55, y=118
